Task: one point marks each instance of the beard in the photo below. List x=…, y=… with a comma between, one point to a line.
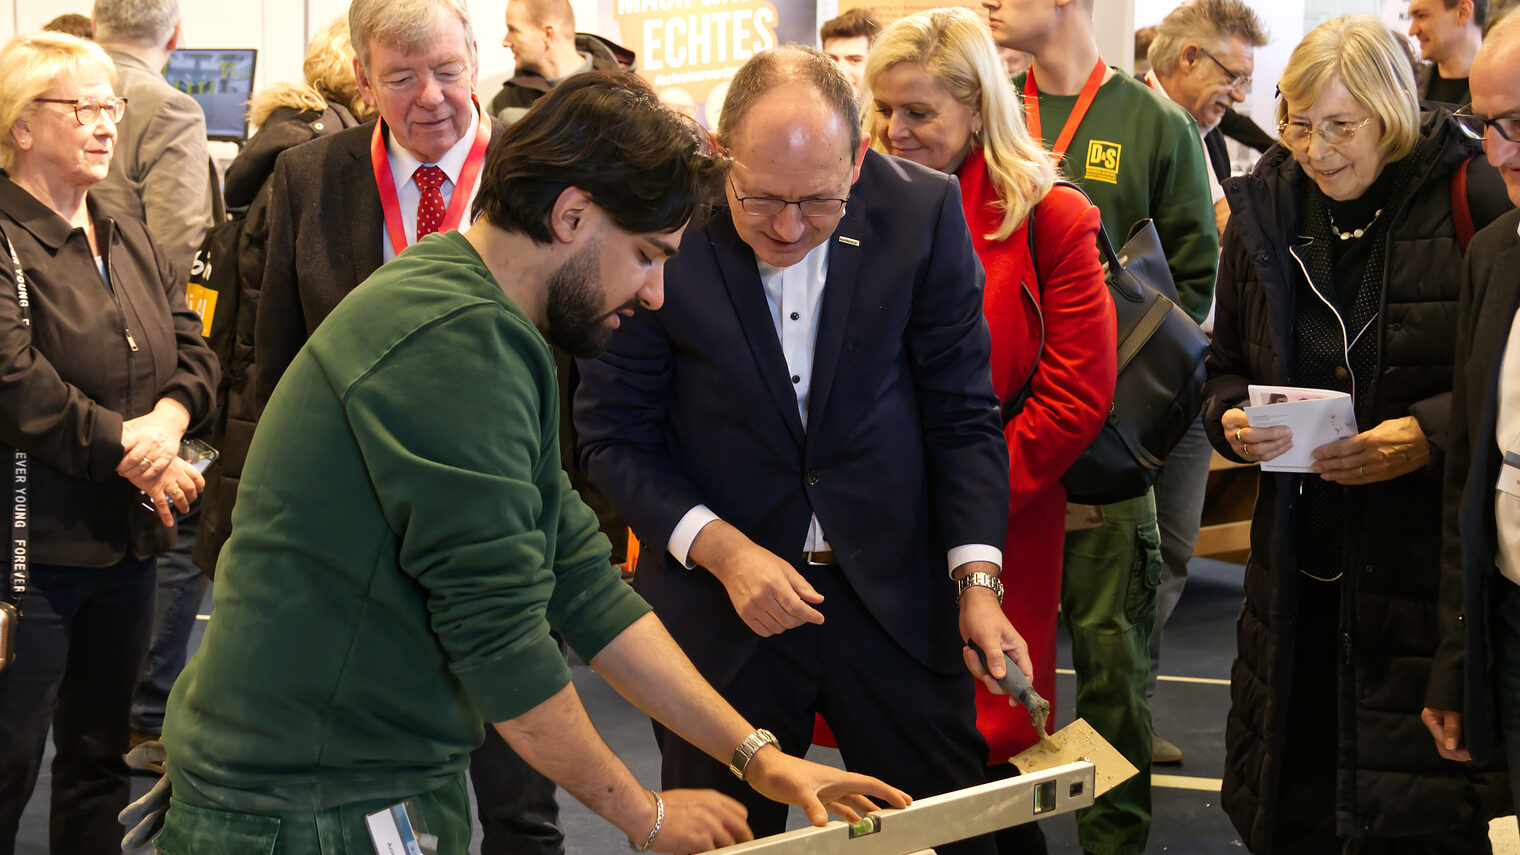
x=577, y=305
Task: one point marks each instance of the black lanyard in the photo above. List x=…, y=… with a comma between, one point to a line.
x=19, y=510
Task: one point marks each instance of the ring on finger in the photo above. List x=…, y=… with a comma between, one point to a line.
x=1362, y=470
x=1237, y=436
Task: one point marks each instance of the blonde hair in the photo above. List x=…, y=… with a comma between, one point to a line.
x=329, y=69
x=954, y=47
x=1365, y=55
x=29, y=66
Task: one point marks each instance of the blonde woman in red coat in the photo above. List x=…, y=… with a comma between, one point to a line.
x=938, y=96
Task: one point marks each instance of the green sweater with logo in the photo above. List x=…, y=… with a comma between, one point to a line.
x=403, y=540
x=1138, y=155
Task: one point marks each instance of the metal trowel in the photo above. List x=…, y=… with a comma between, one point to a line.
x=1074, y=742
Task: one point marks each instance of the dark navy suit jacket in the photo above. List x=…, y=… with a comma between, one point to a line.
x=903, y=453
x=1462, y=675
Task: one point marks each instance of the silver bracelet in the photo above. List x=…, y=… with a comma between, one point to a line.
x=659, y=820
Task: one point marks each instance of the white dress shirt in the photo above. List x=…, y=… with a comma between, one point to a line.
x=404, y=164
x=1507, y=435
x=795, y=297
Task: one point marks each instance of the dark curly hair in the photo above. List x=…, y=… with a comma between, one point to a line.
x=606, y=133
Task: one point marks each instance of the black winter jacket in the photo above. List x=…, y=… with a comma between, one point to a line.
x=247, y=190
x=1390, y=781
x=94, y=356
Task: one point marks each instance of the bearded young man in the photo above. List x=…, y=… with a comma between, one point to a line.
x=406, y=540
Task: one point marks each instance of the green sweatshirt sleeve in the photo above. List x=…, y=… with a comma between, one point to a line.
x=1184, y=215
x=591, y=603
x=454, y=449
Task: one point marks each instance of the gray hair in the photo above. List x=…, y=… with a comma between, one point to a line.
x=786, y=65
x=141, y=22
x=1209, y=22
x=409, y=26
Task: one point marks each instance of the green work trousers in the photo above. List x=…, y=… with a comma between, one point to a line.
x=1108, y=604
x=195, y=830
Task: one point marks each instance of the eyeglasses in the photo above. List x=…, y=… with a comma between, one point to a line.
x=87, y=110
x=1237, y=79
x=762, y=206
x=1507, y=126
x=1333, y=133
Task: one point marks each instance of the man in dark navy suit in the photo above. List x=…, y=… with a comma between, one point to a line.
x=804, y=434
x=1473, y=699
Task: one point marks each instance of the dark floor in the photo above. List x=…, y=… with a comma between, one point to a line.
x=1189, y=709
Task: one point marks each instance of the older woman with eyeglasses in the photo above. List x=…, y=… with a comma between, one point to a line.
x=102, y=369
x=1340, y=271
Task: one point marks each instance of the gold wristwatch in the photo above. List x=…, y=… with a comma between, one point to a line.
x=981, y=580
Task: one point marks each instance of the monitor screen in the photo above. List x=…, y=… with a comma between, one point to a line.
x=220, y=81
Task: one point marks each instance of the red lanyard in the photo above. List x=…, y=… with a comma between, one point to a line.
x=1084, y=100
x=386, y=182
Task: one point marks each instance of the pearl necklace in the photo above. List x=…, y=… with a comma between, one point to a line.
x=1352, y=233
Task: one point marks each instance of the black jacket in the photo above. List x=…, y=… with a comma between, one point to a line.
x=94, y=357
x=1391, y=782
x=1463, y=676
x=247, y=194
x=523, y=88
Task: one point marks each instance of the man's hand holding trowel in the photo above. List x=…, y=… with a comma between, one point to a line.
x=1074, y=742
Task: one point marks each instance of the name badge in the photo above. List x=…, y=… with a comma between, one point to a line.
x=1509, y=474
x=398, y=830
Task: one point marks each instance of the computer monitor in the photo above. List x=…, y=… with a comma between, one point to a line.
x=221, y=81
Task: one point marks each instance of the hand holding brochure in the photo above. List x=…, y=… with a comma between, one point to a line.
x=1316, y=416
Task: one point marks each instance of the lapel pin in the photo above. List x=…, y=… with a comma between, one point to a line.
x=849, y=240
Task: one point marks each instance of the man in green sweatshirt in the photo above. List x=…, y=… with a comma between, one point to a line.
x=405, y=538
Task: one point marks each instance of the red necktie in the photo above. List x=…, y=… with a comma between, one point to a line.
x=430, y=204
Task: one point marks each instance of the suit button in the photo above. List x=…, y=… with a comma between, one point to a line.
x=812, y=477
x=1341, y=373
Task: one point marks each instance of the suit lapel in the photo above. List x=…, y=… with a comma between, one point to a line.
x=736, y=266
x=834, y=314
x=366, y=221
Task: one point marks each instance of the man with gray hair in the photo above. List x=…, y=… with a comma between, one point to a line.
x=805, y=439
x=160, y=174
x=343, y=205
x=161, y=170
x=1201, y=58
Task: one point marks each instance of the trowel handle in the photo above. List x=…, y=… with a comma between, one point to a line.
x=1014, y=682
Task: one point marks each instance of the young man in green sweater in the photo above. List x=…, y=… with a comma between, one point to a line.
x=1137, y=155
x=405, y=538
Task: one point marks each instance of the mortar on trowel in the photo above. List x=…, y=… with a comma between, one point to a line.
x=1074, y=742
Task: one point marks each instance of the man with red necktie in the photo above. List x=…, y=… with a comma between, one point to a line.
x=344, y=204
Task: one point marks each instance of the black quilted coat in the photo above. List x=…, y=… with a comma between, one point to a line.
x=1390, y=780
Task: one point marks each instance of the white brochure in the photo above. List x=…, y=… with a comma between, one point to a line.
x=1316, y=416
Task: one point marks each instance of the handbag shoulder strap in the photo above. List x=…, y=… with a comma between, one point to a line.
x=20, y=510
x=1015, y=405
x=1461, y=209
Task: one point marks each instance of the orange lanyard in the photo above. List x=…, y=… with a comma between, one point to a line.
x=1084, y=100
x=385, y=182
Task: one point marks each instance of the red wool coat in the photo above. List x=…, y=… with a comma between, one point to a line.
x=1073, y=387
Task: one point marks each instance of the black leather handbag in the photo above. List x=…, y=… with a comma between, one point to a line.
x=1160, y=383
